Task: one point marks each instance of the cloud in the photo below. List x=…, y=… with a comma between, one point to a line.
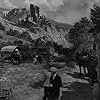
x=51, y=5
x=68, y=11
x=64, y=10
x=70, y=17
x=7, y=3
x=97, y=1
x=36, y=2
x=72, y=10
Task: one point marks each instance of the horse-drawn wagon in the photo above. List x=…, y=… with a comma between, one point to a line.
x=10, y=53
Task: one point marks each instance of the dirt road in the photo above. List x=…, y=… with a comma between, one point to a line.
x=74, y=87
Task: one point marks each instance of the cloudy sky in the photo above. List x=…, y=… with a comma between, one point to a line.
x=65, y=11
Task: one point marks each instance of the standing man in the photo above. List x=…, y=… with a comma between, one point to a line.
x=55, y=84
x=46, y=85
x=92, y=69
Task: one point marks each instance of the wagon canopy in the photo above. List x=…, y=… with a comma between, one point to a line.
x=8, y=48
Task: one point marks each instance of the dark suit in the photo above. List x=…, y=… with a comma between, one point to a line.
x=55, y=90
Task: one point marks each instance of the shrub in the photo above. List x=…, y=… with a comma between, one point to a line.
x=37, y=80
x=2, y=27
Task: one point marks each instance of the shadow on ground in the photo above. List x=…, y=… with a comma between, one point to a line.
x=80, y=91
x=76, y=75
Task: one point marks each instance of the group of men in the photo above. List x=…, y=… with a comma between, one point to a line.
x=90, y=61
x=52, y=85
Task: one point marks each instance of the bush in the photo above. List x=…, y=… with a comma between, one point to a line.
x=37, y=80
x=71, y=64
x=60, y=58
x=2, y=27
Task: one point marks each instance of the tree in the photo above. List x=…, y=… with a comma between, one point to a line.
x=79, y=34
x=95, y=17
x=10, y=32
x=18, y=43
x=2, y=27
x=26, y=36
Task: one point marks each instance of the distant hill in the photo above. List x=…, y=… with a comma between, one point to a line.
x=47, y=30
x=16, y=14
x=4, y=9
x=7, y=38
x=63, y=26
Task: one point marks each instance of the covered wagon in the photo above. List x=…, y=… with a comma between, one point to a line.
x=11, y=53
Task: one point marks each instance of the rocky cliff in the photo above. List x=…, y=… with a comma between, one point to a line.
x=46, y=29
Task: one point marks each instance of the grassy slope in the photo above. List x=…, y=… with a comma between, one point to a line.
x=9, y=38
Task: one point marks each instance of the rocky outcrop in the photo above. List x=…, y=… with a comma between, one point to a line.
x=46, y=30
x=16, y=14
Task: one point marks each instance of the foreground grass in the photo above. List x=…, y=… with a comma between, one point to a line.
x=27, y=82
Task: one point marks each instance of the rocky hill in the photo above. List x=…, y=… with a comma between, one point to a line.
x=3, y=11
x=47, y=29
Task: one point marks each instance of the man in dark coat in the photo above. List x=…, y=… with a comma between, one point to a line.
x=55, y=84
x=92, y=69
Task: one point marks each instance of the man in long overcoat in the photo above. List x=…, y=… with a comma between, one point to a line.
x=55, y=84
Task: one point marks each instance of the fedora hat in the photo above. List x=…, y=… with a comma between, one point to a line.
x=53, y=69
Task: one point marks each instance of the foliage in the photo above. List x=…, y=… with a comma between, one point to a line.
x=80, y=35
x=2, y=44
x=26, y=52
x=18, y=43
x=12, y=32
x=95, y=17
x=57, y=47
x=2, y=27
x=37, y=80
x=67, y=52
x=25, y=36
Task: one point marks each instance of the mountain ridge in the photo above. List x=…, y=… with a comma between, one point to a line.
x=51, y=30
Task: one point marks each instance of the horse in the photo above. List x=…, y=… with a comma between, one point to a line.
x=82, y=60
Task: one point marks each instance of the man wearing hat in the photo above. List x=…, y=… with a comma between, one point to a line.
x=55, y=84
